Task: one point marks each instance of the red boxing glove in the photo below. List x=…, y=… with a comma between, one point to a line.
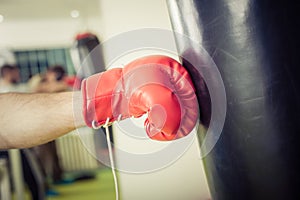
x=156, y=85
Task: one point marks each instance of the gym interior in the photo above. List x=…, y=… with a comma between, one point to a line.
x=244, y=58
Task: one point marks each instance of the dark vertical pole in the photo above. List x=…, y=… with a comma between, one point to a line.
x=255, y=44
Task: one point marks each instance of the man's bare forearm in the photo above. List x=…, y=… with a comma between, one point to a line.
x=27, y=120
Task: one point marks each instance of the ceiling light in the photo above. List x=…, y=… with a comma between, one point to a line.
x=74, y=13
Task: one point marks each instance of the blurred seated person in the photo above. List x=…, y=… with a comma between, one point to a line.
x=10, y=79
x=53, y=80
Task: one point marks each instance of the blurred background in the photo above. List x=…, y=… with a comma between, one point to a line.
x=37, y=38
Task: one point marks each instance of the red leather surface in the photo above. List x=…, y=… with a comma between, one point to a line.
x=155, y=85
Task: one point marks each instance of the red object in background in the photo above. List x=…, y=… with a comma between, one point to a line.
x=73, y=82
x=81, y=36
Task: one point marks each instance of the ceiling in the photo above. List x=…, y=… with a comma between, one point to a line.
x=43, y=9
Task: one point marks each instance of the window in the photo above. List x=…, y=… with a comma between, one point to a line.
x=36, y=61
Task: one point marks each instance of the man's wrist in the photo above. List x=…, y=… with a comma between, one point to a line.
x=77, y=104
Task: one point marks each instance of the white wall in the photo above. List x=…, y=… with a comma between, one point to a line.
x=38, y=33
x=41, y=24
x=28, y=24
x=120, y=16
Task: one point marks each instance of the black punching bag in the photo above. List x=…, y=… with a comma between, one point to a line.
x=255, y=45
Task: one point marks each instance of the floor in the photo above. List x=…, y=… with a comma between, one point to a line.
x=102, y=187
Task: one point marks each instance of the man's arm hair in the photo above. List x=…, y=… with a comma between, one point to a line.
x=28, y=120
